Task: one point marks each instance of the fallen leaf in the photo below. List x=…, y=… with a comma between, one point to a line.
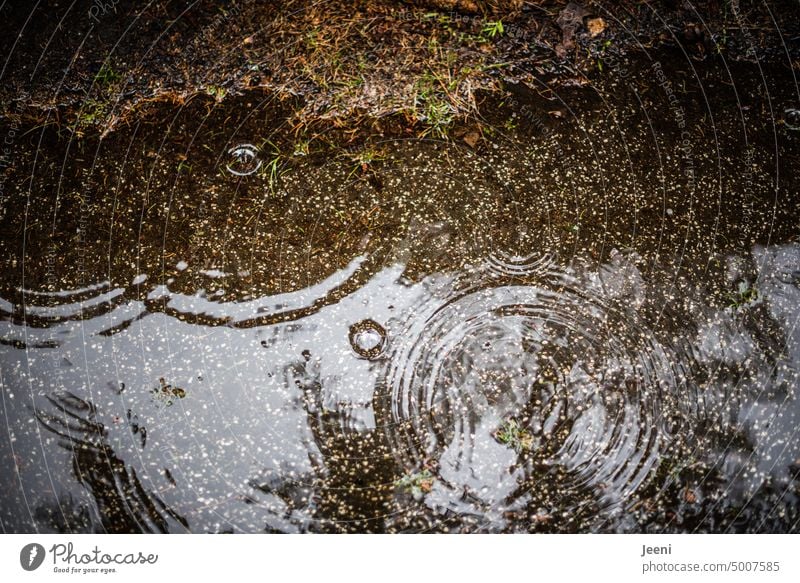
x=570, y=19
x=472, y=139
x=595, y=26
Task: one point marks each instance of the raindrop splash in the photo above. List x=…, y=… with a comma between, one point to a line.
x=506, y=388
x=368, y=339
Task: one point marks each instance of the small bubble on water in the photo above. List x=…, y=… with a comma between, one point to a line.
x=791, y=117
x=243, y=160
x=367, y=338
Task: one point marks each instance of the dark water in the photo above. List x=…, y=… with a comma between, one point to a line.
x=586, y=322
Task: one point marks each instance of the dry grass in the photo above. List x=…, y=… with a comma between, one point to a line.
x=344, y=63
x=347, y=62
x=374, y=60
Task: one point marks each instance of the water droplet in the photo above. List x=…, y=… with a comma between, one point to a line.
x=243, y=160
x=368, y=339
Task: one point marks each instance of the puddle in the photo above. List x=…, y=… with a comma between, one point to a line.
x=587, y=322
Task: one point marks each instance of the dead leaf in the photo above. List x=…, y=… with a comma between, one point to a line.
x=570, y=19
x=574, y=82
x=595, y=26
x=472, y=139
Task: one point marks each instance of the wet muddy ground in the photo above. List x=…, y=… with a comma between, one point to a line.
x=577, y=311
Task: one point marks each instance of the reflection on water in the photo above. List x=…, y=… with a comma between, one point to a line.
x=514, y=398
x=581, y=380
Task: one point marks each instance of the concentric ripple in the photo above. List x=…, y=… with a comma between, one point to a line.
x=543, y=401
x=512, y=264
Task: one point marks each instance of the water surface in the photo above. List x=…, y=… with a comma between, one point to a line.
x=587, y=322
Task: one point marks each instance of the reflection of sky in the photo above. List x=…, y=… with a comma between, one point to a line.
x=773, y=414
x=243, y=417
x=240, y=311
x=240, y=417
